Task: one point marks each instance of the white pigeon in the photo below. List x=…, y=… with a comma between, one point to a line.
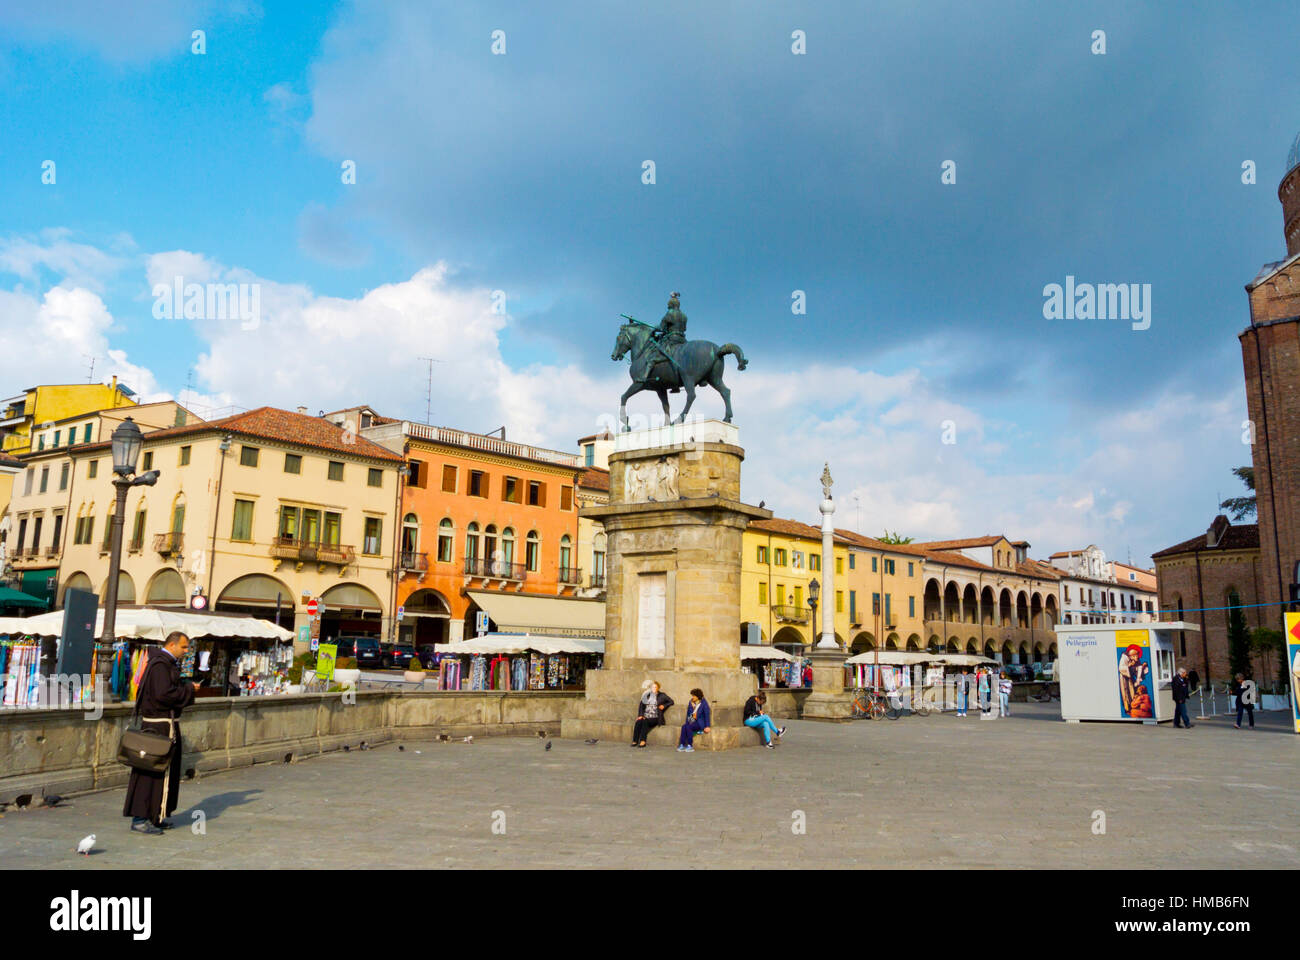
x=84, y=846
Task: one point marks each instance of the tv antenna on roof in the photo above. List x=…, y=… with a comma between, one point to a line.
x=428, y=390
x=90, y=378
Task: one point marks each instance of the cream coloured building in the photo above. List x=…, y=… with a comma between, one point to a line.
x=253, y=512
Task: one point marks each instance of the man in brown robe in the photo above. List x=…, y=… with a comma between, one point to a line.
x=151, y=797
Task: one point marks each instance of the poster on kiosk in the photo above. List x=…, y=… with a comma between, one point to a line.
x=1293, y=661
x=1119, y=671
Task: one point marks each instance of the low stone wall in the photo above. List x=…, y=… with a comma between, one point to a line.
x=784, y=703
x=66, y=752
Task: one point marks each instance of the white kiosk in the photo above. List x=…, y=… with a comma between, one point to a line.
x=1117, y=671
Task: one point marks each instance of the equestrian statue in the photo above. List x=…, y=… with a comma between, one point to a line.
x=664, y=361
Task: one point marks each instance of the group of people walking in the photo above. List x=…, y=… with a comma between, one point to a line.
x=654, y=704
x=983, y=684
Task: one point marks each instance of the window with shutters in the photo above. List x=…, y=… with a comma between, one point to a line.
x=241, y=527
x=418, y=474
x=448, y=478
x=292, y=463
x=375, y=478
x=536, y=494
x=477, y=483
x=374, y=532
x=566, y=498
x=335, y=471
x=185, y=456
x=248, y=456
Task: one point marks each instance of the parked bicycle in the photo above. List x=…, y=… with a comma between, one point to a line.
x=874, y=704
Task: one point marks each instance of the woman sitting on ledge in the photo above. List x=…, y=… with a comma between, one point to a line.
x=697, y=721
x=650, y=713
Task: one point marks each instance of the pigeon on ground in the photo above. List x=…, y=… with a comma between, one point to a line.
x=469, y=739
x=591, y=741
x=346, y=748
x=364, y=745
x=23, y=801
x=53, y=799
x=401, y=747
x=541, y=734
x=85, y=845
x=444, y=738
x=548, y=744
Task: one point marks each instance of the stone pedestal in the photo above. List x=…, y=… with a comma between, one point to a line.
x=828, y=701
x=672, y=604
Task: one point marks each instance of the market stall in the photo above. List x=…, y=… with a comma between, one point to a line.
x=774, y=667
x=517, y=661
x=235, y=655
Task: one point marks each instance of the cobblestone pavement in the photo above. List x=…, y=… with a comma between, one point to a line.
x=920, y=792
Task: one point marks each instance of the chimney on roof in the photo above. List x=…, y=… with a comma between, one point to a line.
x=303, y=411
x=1216, y=531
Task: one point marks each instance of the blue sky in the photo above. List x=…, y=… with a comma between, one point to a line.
x=774, y=172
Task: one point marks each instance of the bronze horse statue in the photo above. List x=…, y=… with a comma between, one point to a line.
x=694, y=362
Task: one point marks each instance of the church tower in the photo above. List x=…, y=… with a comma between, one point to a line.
x=1270, y=354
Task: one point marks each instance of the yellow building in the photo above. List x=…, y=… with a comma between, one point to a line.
x=886, y=589
x=779, y=558
x=255, y=512
x=41, y=412
x=42, y=495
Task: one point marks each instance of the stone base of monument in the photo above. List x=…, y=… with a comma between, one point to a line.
x=829, y=700
x=609, y=710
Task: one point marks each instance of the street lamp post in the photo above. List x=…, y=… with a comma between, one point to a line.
x=126, y=441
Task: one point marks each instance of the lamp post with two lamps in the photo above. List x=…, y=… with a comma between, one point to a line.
x=127, y=441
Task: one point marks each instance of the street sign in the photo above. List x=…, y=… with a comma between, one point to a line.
x=481, y=622
x=313, y=606
x=304, y=634
x=198, y=601
x=315, y=644
x=401, y=612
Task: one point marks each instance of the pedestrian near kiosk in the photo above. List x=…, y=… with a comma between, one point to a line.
x=963, y=691
x=1179, y=688
x=1004, y=695
x=760, y=721
x=1245, y=691
x=152, y=797
x=986, y=690
x=698, y=719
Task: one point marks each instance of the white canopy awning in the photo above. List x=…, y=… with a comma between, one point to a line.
x=893, y=658
x=144, y=623
x=521, y=643
x=755, y=652
x=542, y=616
x=962, y=659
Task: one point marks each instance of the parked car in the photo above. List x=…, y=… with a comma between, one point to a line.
x=398, y=655
x=1037, y=667
x=1049, y=670
x=1018, y=672
x=365, y=649
x=426, y=654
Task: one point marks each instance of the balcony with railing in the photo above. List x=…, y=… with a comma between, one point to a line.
x=597, y=581
x=312, y=551
x=495, y=569
x=52, y=551
x=168, y=544
x=477, y=441
x=571, y=576
x=790, y=612
x=414, y=562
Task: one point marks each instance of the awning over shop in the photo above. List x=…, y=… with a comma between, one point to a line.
x=893, y=658
x=962, y=660
x=16, y=598
x=543, y=616
x=142, y=623
x=521, y=643
x=749, y=651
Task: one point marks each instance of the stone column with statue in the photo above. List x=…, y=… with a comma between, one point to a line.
x=829, y=700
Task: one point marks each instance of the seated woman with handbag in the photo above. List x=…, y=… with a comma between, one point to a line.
x=649, y=713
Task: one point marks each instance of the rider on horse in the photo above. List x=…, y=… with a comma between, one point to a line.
x=670, y=334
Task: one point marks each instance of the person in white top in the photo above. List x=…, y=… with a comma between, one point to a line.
x=1004, y=695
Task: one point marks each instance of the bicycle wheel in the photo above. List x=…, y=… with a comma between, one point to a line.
x=877, y=710
x=891, y=709
x=920, y=708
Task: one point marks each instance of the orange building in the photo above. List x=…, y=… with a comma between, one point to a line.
x=486, y=524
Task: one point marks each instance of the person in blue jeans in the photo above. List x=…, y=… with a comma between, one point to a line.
x=760, y=721
x=698, y=719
